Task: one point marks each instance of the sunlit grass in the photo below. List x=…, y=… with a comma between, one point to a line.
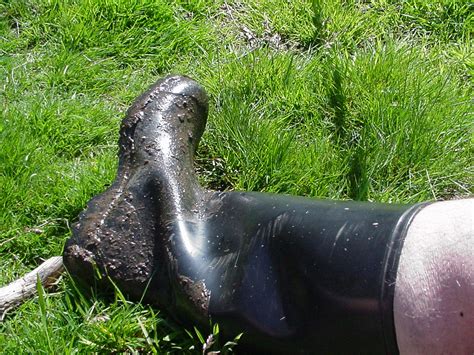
x=330, y=99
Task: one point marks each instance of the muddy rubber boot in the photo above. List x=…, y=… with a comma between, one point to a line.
x=294, y=274
x=122, y=233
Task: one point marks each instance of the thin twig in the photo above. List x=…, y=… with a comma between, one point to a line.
x=24, y=288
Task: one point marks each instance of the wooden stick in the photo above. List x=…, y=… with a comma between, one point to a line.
x=20, y=290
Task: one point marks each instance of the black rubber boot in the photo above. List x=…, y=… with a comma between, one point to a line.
x=296, y=275
x=124, y=232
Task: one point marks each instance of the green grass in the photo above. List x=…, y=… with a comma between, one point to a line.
x=331, y=99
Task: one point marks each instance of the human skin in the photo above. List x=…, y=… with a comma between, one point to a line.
x=434, y=291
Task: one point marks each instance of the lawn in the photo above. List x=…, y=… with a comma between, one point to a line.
x=365, y=100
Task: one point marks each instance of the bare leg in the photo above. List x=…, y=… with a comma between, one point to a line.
x=434, y=292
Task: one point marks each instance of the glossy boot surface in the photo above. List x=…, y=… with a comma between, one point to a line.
x=294, y=274
x=124, y=232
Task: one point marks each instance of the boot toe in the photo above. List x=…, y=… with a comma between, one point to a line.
x=183, y=85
